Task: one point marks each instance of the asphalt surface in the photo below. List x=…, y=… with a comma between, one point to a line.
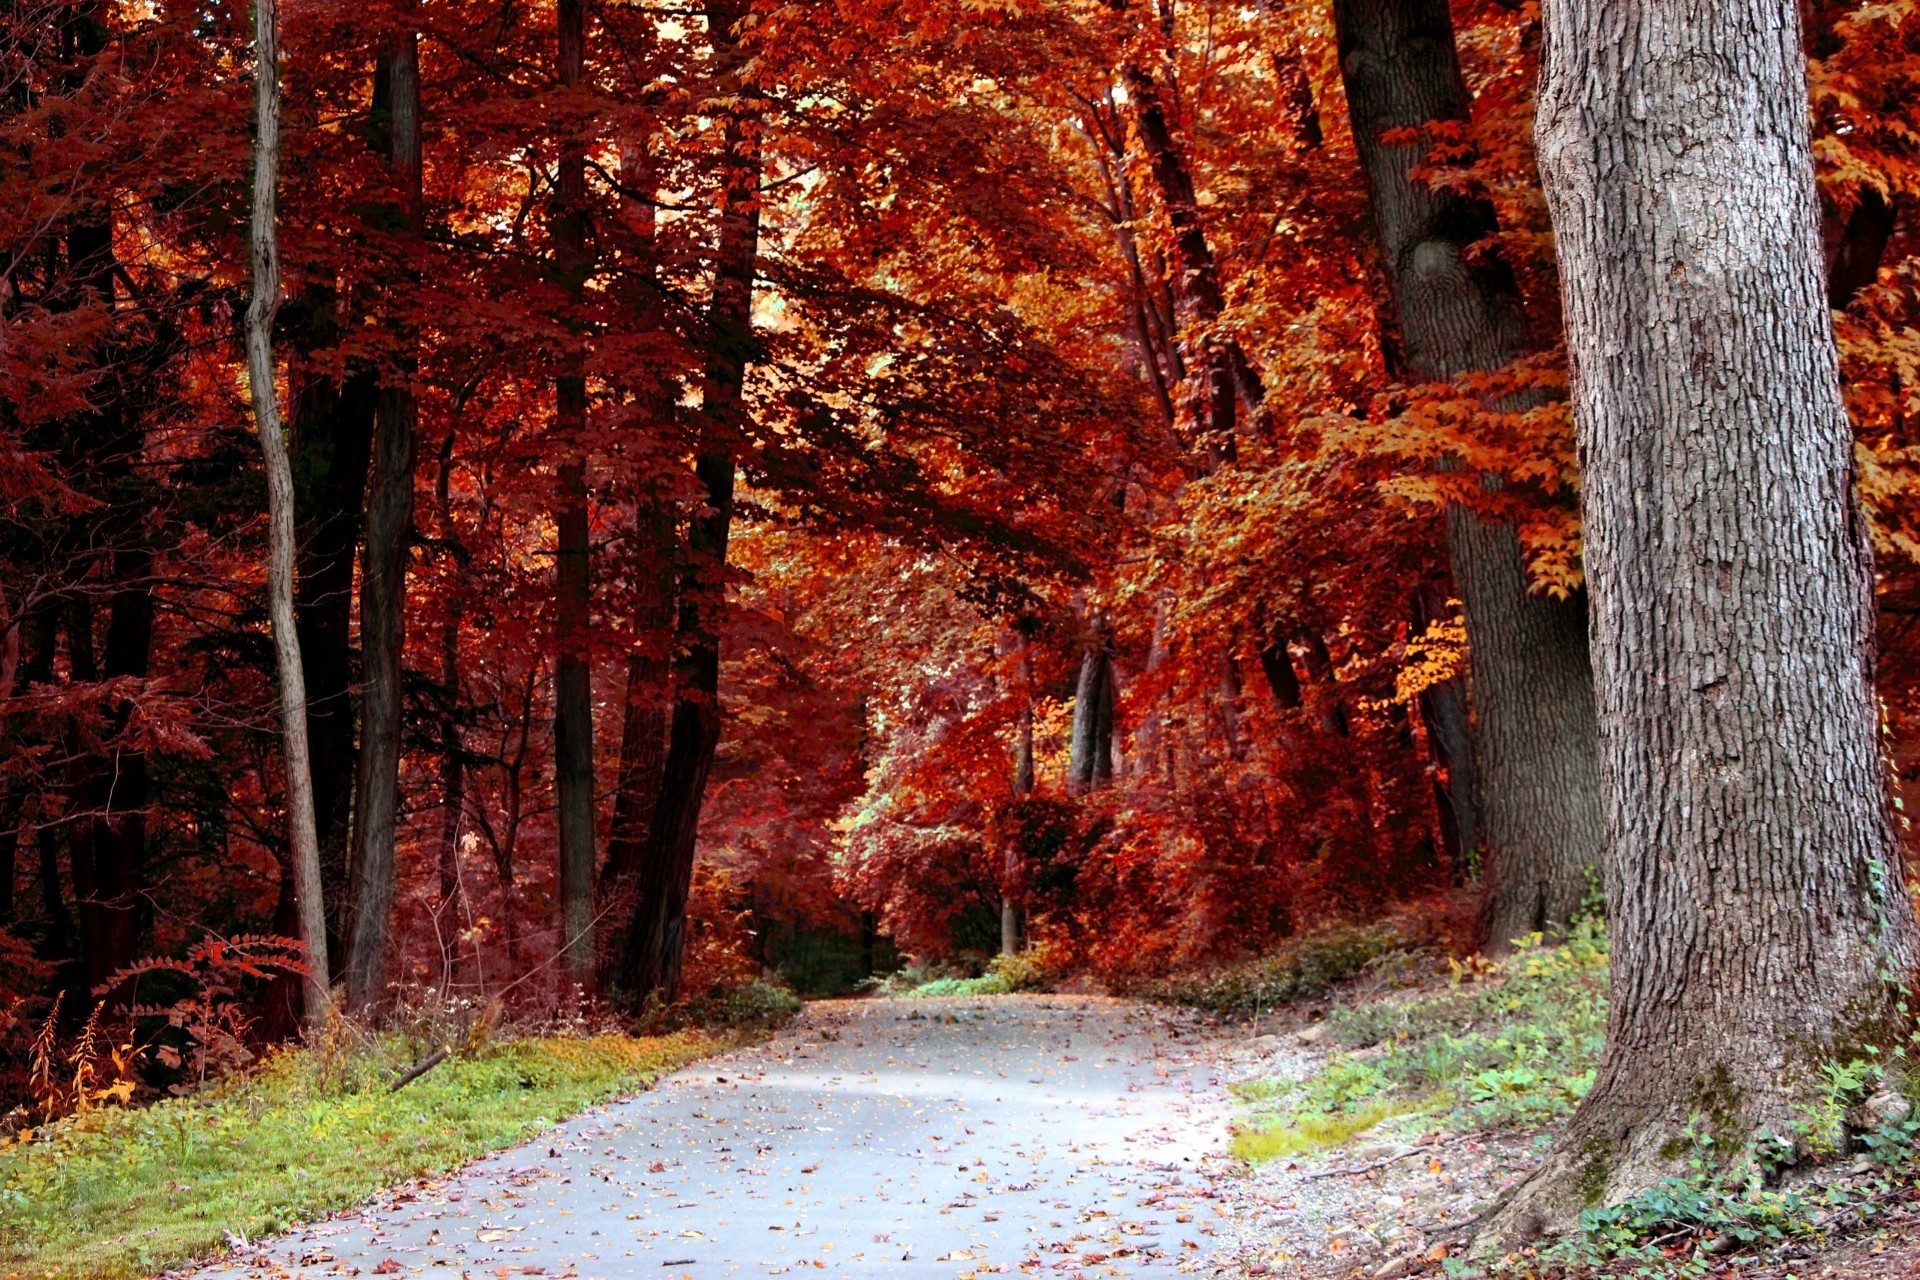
x=913, y=1138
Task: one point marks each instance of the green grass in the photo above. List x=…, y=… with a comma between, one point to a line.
x=1005, y=975
x=1314, y=1130
x=115, y=1194
x=1514, y=1047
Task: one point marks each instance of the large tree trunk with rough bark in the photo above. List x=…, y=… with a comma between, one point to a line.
x=648, y=966
x=383, y=579
x=573, y=587
x=264, y=242
x=1460, y=311
x=1760, y=926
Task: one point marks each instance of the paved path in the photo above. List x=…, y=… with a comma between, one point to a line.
x=910, y=1138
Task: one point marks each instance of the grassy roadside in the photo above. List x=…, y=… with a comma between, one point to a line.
x=116, y=1194
x=1502, y=1054
x=1507, y=1046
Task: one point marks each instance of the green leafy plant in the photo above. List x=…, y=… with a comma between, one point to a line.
x=1505, y=1044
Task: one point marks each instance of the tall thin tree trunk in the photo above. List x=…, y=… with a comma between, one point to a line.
x=107, y=839
x=453, y=774
x=383, y=582
x=648, y=701
x=1760, y=924
x=1022, y=788
x=1090, y=746
x=331, y=439
x=1460, y=309
x=573, y=670
x=273, y=447
x=654, y=944
x=40, y=636
x=645, y=725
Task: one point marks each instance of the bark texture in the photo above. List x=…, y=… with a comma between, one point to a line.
x=1758, y=918
x=1537, y=763
x=265, y=252
x=383, y=584
x=1538, y=757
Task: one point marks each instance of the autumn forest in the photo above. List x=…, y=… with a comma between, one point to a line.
x=585, y=510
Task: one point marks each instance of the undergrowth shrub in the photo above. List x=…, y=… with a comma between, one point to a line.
x=1504, y=1045
x=1302, y=969
x=758, y=1002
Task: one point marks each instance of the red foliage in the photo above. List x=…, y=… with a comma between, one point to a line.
x=970, y=460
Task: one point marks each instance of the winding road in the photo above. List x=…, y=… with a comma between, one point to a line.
x=1052, y=1135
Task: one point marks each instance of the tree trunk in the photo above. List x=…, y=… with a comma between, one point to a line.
x=1538, y=757
x=648, y=702
x=1022, y=788
x=1228, y=692
x=453, y=754
x=383, y=585
x=1760, y=925
x=40, y=634
x=1326, y=696
x=1855, y=260
x=1276, y=663
x=331, y=439
x=655, y=939
x=109, y=841
x=1460, y=311
x=273, y=447
x=1444, y=711
x=1090, y=748
x=645, y=726
x=573, y=671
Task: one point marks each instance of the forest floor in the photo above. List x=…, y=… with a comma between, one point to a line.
x=1071, y=1136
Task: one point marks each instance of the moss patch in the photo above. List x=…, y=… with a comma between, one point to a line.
x=1314, y=1131
x=1596, y=1169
